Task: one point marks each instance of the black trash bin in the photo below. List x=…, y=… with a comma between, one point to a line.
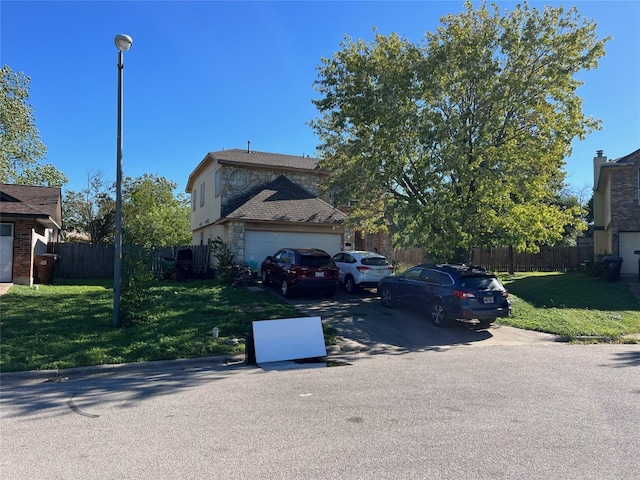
x=611, y=268
x=44, y=264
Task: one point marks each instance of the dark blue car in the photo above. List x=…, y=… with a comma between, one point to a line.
x=448, y=292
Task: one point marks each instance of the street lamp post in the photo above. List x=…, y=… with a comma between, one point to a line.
x=123, y=42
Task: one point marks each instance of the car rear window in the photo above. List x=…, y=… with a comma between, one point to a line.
x=481, y=282
x=315, y=261
x=374, y=261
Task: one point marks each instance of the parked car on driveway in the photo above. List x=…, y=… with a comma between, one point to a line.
x=300, y=269
x=361, y=269
x=448, y=291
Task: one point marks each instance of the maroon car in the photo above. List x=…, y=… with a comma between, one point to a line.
x=301, y=269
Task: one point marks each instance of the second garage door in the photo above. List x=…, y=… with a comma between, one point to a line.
x=258, y=245
x=629, y=242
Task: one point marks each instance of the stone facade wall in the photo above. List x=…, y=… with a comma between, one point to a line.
x=238, y=181
x=236, y=239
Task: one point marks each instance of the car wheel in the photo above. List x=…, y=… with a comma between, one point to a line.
x=349, y=285
x=386, y=298
x=438, y=315
x=265, y=278
x=285, y=288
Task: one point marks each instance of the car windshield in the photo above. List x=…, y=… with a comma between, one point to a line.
x=315, y=261
x=375, y=261
x=483, y=282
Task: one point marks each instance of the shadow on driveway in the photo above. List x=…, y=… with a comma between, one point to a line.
x=364, y=325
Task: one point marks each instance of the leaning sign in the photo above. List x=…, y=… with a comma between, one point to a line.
x=288, y=339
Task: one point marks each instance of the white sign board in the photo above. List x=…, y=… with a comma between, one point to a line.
x=288, y=339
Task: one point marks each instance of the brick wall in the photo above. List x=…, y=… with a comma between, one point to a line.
x=23, y=252
x=625, y=211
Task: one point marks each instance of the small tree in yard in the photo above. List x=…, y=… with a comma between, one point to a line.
x=459, y=142
x=222, y=252
x=137, y=280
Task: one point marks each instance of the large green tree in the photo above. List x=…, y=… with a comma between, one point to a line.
x=458, y=142
x=151, y=215
x=21, y=150
x=90, y=213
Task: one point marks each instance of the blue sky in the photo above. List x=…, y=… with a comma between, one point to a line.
x=211, y=75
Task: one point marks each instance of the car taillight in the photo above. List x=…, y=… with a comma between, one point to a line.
x=391, y=267
x=463, y=295
x=362, y=268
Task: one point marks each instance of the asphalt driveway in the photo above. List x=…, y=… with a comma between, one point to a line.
x=364, y=325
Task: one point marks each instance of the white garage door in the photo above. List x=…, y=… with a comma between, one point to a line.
x=6, y=251
x=258, y=245
x=629, y=242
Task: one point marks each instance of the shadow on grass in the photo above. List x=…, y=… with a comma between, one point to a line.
x=572, y=290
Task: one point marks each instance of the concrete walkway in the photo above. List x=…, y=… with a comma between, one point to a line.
x=4, y=288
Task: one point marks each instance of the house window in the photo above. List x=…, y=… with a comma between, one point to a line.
x=202, y=194
x=193, y=200
x=217, y=192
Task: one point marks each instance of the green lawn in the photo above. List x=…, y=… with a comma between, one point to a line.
x=69, y=324
x=573, y=305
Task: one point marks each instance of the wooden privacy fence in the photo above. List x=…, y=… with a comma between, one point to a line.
x=549, y=259
x=83, y=260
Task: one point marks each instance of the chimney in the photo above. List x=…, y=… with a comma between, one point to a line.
x=249, y=146
x=597, y=165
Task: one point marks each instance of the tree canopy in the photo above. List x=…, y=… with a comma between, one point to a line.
x=21, y=149
x=151, y=215
x=90, y=213
x=459, y=141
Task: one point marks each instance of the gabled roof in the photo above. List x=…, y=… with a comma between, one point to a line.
x=253, y=159
x=627, y=161
x=25, y=201
x=283, y=201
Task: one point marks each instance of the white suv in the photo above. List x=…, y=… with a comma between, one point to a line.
x=361, y=269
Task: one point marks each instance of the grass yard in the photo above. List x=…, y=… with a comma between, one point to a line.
x=574, y=305
x=70, y=324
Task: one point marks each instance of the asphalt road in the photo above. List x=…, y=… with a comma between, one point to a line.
x=408, y=401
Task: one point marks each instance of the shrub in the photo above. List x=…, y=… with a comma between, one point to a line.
x=222, y=251
x=135, y=297
x=594, y=267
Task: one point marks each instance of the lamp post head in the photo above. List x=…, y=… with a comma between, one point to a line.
x=123, y=42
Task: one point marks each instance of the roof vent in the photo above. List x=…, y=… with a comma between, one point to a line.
x=249, y=146
x=600, y=152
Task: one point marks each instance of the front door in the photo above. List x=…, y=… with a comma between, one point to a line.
x=6, y=251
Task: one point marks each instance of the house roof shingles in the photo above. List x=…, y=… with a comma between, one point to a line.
x=265, y=159
x=283, y=201
x=28, y=201
x=273, y=161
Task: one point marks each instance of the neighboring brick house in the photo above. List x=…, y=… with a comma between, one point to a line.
x=260, y=202
x=616, y=205
x=30, y=217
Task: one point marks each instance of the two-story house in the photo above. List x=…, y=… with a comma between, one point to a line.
x=30, y=217
x=616, y=205
x=260, y=202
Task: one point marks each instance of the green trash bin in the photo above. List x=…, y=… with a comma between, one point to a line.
x=611, y=268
